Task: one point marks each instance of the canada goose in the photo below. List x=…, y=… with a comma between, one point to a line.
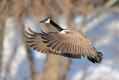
x=67, y=43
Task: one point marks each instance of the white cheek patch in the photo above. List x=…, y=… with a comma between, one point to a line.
x=48, y=21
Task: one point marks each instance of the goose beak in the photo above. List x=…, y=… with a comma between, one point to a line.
x=42, y=21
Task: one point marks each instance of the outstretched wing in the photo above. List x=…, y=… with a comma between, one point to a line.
x=36, y=42
x=69, y=42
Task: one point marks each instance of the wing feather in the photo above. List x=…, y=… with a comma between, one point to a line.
x=71, y=42
x=37, y=43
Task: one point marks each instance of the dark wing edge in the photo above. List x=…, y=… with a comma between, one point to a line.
x=96, y=59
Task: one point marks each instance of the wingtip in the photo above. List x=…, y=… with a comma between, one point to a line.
x=42, y=32
x=30, y=29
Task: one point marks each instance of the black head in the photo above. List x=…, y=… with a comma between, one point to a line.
x=47, y=20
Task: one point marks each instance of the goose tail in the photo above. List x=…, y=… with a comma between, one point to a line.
x=97, y=58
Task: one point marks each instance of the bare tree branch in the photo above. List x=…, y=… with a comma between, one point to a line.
x=30, y=56
x=51, y=69
x=1, y=44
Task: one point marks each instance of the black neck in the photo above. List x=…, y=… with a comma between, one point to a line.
x=56, y=26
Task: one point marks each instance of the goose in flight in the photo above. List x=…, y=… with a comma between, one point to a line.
x=67, y=43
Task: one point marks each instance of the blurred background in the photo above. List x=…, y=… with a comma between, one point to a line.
x=97, y=19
